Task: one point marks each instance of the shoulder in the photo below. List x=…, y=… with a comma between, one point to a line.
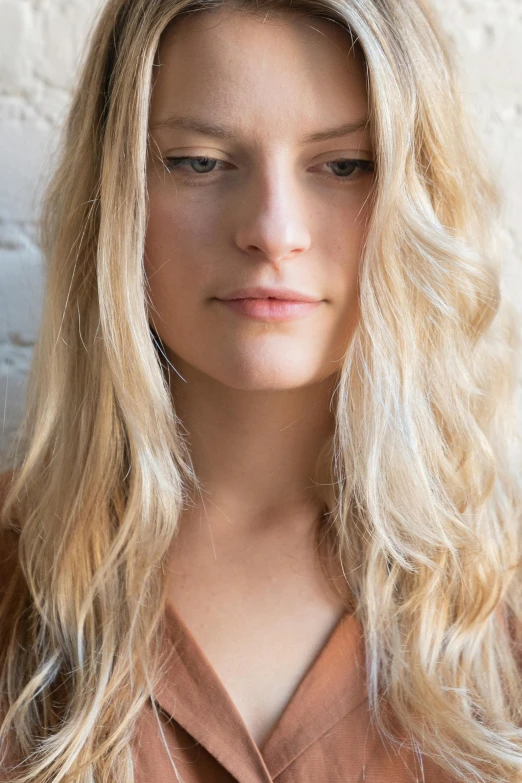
x=8, y=537
x=9, y=589
x=5, y=482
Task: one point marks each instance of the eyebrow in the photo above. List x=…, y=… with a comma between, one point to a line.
x=220, y=131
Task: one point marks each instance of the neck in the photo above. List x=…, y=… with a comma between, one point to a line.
x=254, y=451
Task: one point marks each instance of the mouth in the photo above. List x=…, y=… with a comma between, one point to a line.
x=271, y=292
x=270, y=308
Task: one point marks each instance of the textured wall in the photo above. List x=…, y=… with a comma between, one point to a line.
x=40, y=41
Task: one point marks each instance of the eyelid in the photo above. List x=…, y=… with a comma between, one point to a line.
x=202, y=176
x=346, y=153
x=330, y=158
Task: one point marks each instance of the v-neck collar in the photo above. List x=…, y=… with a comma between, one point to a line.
x=193, y=695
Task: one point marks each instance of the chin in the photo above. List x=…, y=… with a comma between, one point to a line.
x=252, y=367
x=264, y=377
x=262, y=383
x=249, y=374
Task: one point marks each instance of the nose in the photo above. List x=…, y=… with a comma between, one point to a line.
x=271, y=223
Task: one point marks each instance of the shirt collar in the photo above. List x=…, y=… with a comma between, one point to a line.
x=192, y=694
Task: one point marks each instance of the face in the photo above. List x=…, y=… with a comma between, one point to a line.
x=244, y=192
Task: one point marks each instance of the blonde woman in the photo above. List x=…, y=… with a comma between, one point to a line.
x=266, y=526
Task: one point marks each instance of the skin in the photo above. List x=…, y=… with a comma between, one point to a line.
x=255, y=404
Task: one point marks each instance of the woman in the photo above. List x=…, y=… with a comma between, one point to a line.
x=254, y=539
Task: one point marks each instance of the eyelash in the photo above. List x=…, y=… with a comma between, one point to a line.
x=364, y=166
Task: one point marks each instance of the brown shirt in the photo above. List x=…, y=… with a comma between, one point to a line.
x=324, y=735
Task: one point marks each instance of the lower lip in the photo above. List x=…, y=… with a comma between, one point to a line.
x=271, y=309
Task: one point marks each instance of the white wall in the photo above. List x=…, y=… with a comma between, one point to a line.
x=40, y=41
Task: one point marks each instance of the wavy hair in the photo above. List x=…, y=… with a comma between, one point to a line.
x=423, y=488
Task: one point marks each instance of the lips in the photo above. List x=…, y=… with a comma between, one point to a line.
x=267, y=309
x=268, y=293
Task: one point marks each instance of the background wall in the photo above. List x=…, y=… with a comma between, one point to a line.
x=40, y=42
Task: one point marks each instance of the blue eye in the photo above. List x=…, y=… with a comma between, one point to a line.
x=348, y=166
x=200, y=166
x=174, y=163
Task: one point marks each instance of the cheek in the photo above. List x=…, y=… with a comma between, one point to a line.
x=343, y=245
x=177, y=245
x=342, y=253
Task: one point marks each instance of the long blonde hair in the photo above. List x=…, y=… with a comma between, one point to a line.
x=424, y=497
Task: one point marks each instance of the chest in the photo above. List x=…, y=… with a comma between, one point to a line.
x=260, y=617
x=261, y=666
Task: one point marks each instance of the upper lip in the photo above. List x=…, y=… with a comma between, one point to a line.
x=263, y=292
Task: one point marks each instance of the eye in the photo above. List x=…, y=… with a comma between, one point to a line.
x=346, y=167
x=199, y=161
x=203, y=166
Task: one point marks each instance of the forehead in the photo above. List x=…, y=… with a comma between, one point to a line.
x=276, y=72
